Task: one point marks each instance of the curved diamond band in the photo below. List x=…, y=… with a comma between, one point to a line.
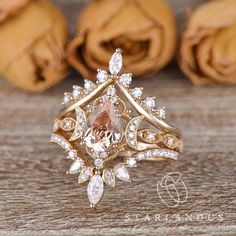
x=107, y=120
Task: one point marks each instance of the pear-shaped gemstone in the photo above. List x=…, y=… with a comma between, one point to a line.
x=76, y=167
x=121, y=172
x=104, y=129
x=109, y=177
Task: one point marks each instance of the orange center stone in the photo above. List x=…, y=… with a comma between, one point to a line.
x=104, y=129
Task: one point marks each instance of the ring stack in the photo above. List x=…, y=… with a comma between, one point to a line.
x=109, y=120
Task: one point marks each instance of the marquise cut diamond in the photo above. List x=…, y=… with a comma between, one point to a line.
x=95, y=189
x=115, y=63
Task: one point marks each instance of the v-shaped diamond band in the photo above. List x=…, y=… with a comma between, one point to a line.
x=107, y=120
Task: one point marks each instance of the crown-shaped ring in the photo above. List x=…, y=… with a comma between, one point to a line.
x=108, y=120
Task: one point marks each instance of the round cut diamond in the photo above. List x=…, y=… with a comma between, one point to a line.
x=102, y=76
x=98, y=163
x=151, y=136
x=137, y=92
x=77, y=90
x=67, y=98
x=72, y=154
x=88, y=85
x=131, y=162
x=111, y=91
x=149, y=103
x=126, y=79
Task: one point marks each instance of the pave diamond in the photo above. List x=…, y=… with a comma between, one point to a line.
x=161, y=112
x=80, y=124
x=156, y=153
x=121, y=172
x=131, y=162
x=131, y=131
x=115, y=63
x=102, y=76
x=125, y=79
x=61, y=141
x=95, y=189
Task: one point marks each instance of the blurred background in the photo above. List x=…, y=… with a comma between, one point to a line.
x=188, y=63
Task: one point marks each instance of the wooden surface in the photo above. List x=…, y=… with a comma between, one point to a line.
x=37, y=198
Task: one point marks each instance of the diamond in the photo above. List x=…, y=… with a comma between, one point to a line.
x=109, y=178
x=104, y=128
x=115, y=63
x=132, y=127
x=88, y=85
x=149, y=154
x=111, y=91
x=61, y=141
x=131, y=162
x=76, y=167
x=121, y=172
x=137, y=92
x=131, y=135
x=149, y=103
x=85, y=175
x=125, y=79
x=67, y=98
x=95, y=189
x=141, y=156
x=151, y=136
x=102, y=76
x=161, y=112
x=170, y=141
x=131, y=131
x=98, y=163
x=68, y=124
x=77, y=90
x=80, y=124
x=72, y=154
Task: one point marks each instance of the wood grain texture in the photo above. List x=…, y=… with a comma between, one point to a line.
x=37, y=198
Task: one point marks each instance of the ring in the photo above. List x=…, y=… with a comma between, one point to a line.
x=108, y=120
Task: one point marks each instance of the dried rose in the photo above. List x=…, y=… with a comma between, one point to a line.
x=208, y=48
x=11, y=7
x=144, y=30
x=32, y=47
